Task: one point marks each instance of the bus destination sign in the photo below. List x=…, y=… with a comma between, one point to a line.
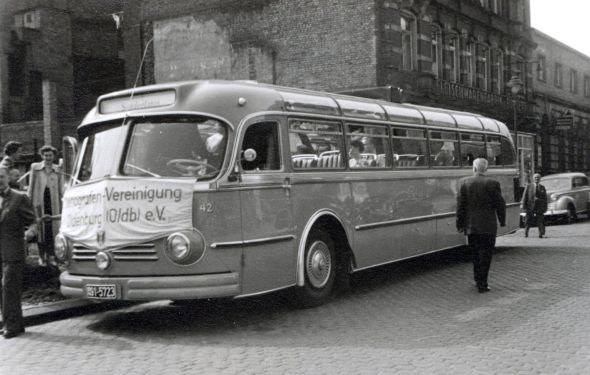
x=138, y=101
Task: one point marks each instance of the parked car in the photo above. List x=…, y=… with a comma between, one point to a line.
x=568, y=195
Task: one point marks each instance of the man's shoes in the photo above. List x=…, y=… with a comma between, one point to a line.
x=11, y=334
x=526, y=234
x=540, y=236
x=483, y=289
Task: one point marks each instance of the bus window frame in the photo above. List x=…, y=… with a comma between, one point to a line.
x=131, y=122
x=343, y=150
x=457, y=140
x=347, y=135
x=499, y=136
x=240, y=141
x=461, y=133
x=84, y=145
x=424, y=128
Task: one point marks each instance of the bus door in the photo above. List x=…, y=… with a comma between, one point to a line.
x=269, y=255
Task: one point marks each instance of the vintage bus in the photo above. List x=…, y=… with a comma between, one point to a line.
x=207, y=189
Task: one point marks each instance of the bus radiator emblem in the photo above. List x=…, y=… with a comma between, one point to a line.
x=100, y=237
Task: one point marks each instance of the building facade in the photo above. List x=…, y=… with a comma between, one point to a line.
x=562, y=102
x=458, y=54
x=56, y=57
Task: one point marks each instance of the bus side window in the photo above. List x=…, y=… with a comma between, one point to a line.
x=264, y=139
x=409, y=148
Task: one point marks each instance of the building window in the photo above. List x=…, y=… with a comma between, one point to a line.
x=587, y=86
x=496, y=6
x=467, y=62
x=497, y=71
x=518, y=66
x=35, y=99
x=450, y=57
x=558, y=75
x=573, y=81
x=16, y=73
x=435, y=38
x=481, y=67
x=407, y=31
x=541, y=68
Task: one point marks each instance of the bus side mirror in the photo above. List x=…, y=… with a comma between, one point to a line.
x=250, y=154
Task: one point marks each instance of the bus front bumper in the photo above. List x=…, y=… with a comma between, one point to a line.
x=150, y=288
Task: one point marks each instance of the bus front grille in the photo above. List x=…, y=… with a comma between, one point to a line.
x=131, y=253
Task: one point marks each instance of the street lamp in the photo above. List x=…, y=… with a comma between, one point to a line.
x=515, y=85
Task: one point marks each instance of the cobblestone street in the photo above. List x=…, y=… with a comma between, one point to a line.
x=419, y=316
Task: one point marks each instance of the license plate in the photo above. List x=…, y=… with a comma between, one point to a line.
x=101, y=291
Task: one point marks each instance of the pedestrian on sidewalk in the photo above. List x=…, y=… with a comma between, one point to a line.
x=16, y=214
x=479, y=208
x=11, y=154
x=45, y=191
x=534, y=203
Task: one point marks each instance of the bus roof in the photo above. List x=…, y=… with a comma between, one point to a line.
x=234, y=100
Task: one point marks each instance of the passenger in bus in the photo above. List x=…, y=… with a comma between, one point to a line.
x=445, y=156
x=355, y=158
x=214, y=145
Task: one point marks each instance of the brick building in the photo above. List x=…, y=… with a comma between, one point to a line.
x=457, y=54
x=561, y=91
x=451, y=53
x=56, y=56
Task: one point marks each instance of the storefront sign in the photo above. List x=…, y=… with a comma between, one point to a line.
x=112, y=213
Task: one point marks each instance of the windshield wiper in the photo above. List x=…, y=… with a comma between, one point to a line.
x=143, y=170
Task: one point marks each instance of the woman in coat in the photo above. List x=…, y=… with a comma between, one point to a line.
x=45, y=191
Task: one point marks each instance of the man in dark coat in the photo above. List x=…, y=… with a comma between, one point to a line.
x=479, y=207
x=16, y=214
x=534, y=203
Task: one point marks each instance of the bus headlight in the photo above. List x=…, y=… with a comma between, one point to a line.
x=61, y=248
x=179, y=246
x=185, y=247
x=103, y=260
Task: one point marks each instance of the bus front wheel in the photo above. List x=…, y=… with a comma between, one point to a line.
x=319, y=268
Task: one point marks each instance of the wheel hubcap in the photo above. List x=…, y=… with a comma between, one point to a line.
x=318, y=264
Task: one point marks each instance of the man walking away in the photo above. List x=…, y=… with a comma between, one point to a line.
x=534, y=203
x=16, y=213
x=479, y=207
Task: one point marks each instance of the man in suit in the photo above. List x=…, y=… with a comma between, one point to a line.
x=534, y=203
x=16, y=214
x=479, y=207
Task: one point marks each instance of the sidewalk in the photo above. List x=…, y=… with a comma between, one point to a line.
x=42, y=302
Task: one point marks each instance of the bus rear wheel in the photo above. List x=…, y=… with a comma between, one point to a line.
x=319, y=268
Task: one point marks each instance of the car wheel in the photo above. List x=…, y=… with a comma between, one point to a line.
x=571, y=214
x=319, y=268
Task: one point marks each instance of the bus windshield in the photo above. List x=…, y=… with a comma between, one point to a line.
x=179, y=147
x=176, y=148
